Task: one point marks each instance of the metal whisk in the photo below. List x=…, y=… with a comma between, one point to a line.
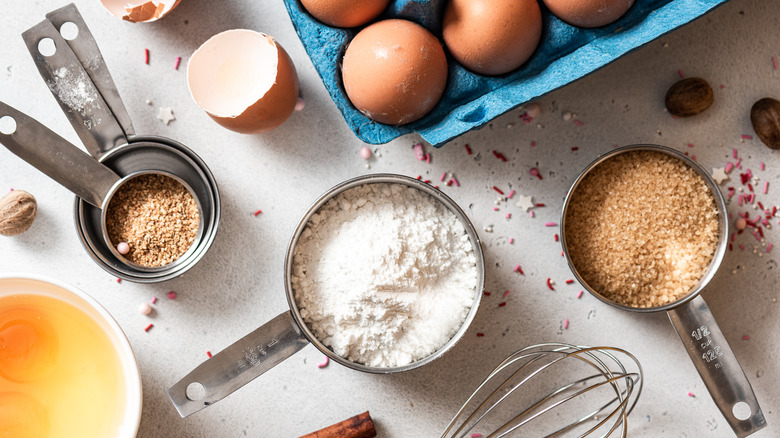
x=590, y=390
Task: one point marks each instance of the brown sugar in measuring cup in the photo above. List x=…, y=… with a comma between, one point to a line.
x=647, y=244
x=157, y=217
x=74, y=70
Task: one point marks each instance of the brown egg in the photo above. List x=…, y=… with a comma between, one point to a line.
x=139, y=10
x=394, y=71
x=244, y=80
x=588, y=13
x=492, y=37
x=345, y=13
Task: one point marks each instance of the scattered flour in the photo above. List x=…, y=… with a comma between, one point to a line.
x=384, y=274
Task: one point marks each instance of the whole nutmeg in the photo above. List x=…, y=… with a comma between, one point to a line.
x=765, y=117
x=688, y=97
x=17, y=212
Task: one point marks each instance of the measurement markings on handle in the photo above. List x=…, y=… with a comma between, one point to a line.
x=253, y=356
x=710, y=352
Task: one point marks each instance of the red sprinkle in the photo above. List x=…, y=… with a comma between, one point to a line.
x=500, y=156
x=498, y=190
x=506, y=293
x=146, y=56
x=257, y=212
x=520, y=270
x=502, y=304
x=556, y=237
x=746, y=137
x=570, y=281
x=577, y=122
x=468, y=149
x=118, y=280
x=549, y=284
x=479, y=335
x=172, y=295
x=746, y=338
x=680, y=72
x=487, y=294
x=575, y=148
x=208, y=353
x=540, y=204
x=750, y=186
x=148, y=327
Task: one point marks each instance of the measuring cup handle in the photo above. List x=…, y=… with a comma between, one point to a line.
x=717, y=366
x=237, y=365
x=57, y=158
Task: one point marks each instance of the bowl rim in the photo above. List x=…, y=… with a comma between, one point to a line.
x=131, y=423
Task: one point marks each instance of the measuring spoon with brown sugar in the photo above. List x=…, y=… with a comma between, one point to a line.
x=69, y=61
x=98, y=185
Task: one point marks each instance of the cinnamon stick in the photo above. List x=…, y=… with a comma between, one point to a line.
x=359, y=426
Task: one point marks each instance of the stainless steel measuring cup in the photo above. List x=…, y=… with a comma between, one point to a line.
x=70, y=63
x=280, y=338
x=94, y=183
x=691, y=317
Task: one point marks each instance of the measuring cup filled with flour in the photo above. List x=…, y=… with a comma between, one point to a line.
x=644, y=228
x=384, y=274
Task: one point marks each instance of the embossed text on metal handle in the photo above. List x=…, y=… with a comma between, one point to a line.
x=718, y=367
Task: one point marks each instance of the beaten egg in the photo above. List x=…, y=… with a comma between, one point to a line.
x=394, y=71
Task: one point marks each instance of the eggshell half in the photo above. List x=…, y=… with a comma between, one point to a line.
x=588, y=13
x=139, y=10
x=492, y=37
x=394, y=71
x=244, y=80
x=345, y=13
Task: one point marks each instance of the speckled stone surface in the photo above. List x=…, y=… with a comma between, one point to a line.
x=239, y=284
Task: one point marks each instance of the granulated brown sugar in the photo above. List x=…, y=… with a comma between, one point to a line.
x=156, y=215
x=642, y=228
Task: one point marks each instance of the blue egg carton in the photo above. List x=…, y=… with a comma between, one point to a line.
x=565, y=54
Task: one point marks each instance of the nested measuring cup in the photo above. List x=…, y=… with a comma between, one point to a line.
x=288, y=333
x=70, y=63
x=691, y=317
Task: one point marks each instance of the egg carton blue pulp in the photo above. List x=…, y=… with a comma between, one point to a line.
x=565, y=54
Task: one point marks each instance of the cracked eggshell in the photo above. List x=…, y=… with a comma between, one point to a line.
x=244, y=80
x=492, y=37
x=588, y=13
x=394, y=71
x=139, y=10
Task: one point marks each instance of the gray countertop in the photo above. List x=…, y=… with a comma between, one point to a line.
x=239, y=284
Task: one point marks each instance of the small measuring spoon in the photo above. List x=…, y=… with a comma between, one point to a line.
x=65, y=163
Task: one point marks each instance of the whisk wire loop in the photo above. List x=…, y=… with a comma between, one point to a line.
x=538, y=362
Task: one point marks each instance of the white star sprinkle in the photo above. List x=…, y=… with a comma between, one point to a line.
x=719, y=175
x=166, y=115
x=525, y=202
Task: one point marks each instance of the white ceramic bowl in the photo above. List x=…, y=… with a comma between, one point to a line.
x=16, y=284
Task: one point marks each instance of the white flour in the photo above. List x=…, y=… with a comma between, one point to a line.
x=384, y=274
